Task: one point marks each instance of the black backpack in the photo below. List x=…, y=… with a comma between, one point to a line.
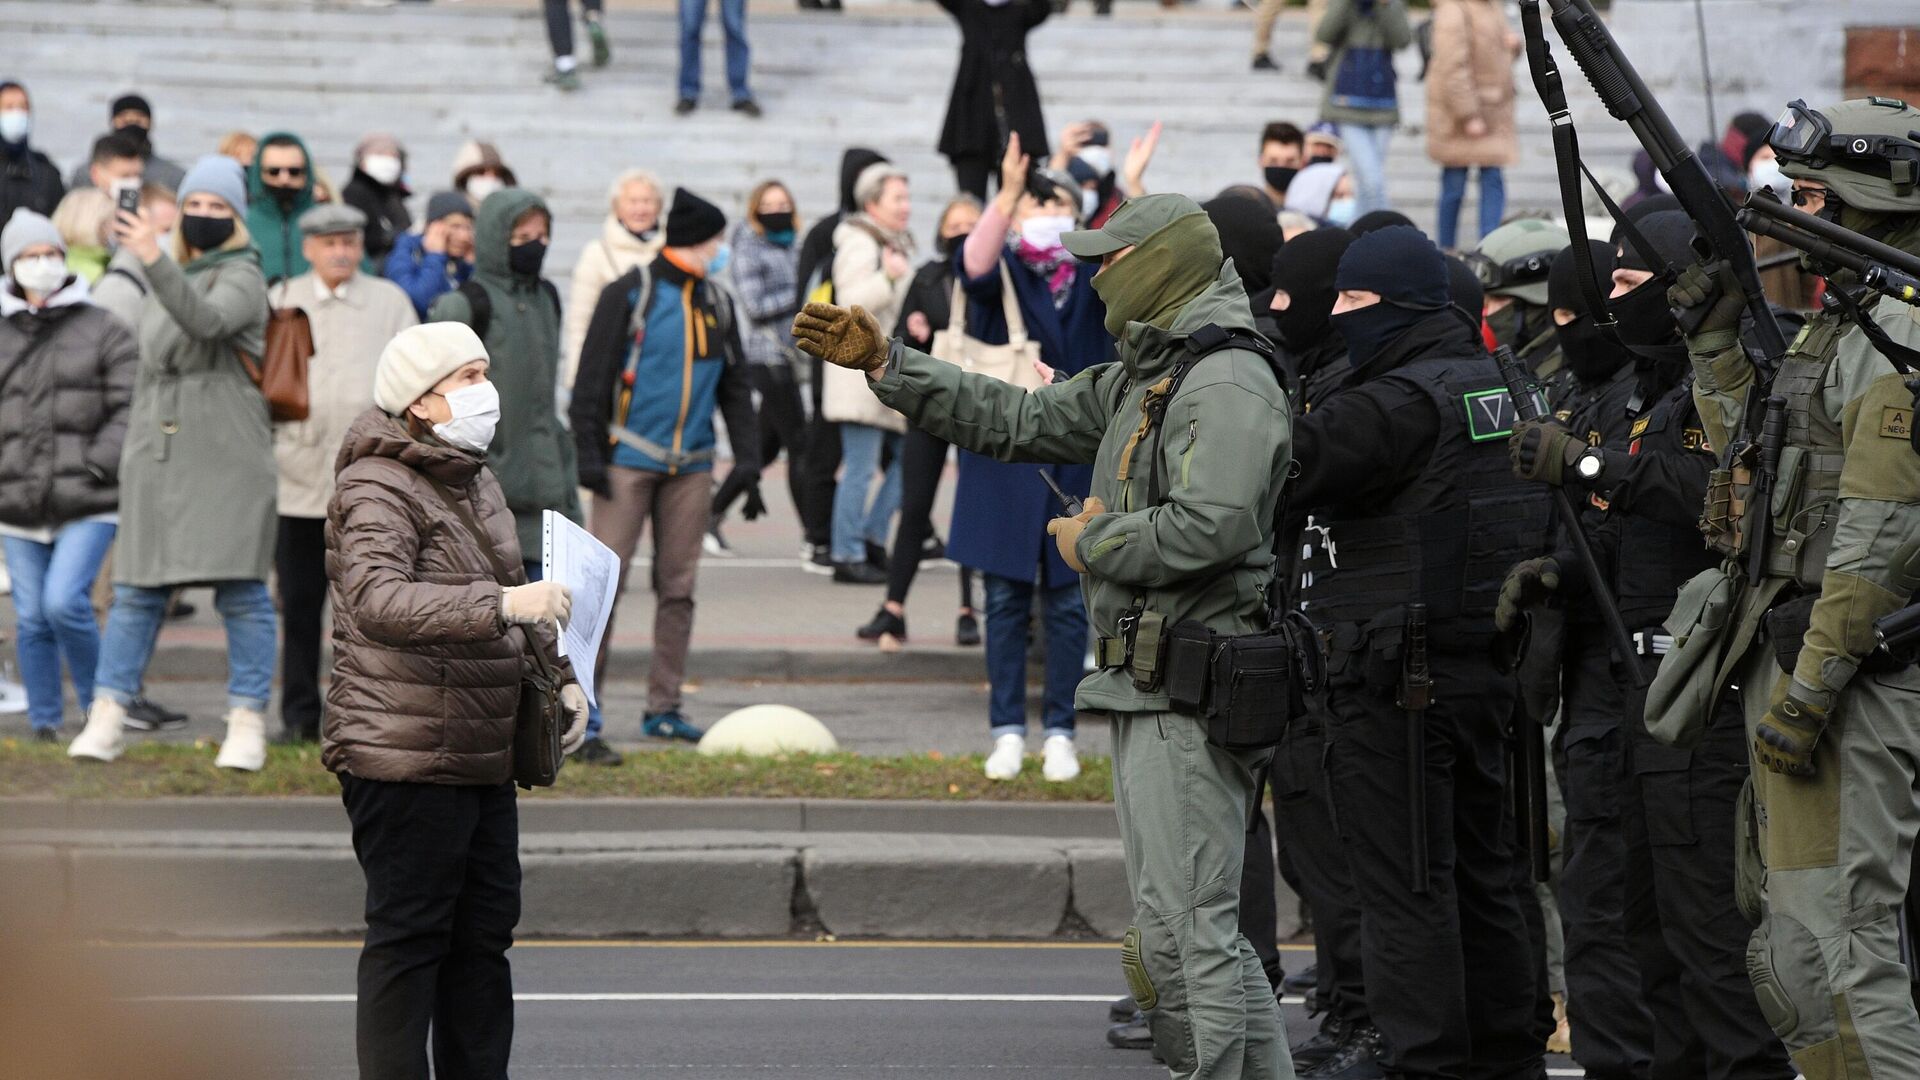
x=482, y=305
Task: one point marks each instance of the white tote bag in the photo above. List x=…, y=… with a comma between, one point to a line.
x=1011, y=363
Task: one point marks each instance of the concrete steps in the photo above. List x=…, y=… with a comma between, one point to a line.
x=438, y=74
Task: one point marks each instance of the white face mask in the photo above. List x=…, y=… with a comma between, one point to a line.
x=1043, y=232
x=1098, y=158
x=15, y=125
x=385, y=168
x=476, y=412
x=41, y=274
x=479, y=187
x=1766, y=175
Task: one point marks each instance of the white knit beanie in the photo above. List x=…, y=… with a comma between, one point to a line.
x=418, y=358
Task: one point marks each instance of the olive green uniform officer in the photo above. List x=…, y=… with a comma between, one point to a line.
x=1837, y=743
x=1199, y=548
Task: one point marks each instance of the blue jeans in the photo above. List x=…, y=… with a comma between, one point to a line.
x=52, y=586
x=1367, y=153
x=856, y=522
x=1009, y=603
x=134, y=625
x=733, y=19
x=1453, y=192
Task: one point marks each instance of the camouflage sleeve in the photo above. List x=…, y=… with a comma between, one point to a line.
x=1874, y=566
x=1722, y=376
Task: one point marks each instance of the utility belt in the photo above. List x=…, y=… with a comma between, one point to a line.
x=672, y=459
x=1246, y=688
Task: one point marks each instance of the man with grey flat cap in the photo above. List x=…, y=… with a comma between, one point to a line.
x=353, y=316
x=1189, y=436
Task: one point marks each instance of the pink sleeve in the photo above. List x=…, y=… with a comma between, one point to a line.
x=984, y=242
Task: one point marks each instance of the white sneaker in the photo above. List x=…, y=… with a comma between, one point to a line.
x=1004, y=762
x=101, y=739
x=1058, y=760
x=245, y=747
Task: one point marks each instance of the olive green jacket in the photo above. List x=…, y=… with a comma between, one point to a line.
x=1206, y=551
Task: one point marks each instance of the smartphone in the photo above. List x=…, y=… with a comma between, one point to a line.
x=126, y=196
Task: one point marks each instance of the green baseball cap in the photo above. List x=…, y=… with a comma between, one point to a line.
x=1136, y=220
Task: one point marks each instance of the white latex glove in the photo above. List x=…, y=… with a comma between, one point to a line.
x=575, y=701
x=542, y=601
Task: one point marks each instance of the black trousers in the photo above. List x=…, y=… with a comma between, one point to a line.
x=560, y=24
x=1612, y=1025
x=1450, y=976
x=970, y=175
x=923, y=458
x=1259, y=907
x=300, y=565
x=1303, y=811
x=783, y=423
x=442, y=863
x=818, y=467
x=1681, y=922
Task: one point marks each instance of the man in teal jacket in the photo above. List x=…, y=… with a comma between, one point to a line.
x=279, y=190
x=1189, y=537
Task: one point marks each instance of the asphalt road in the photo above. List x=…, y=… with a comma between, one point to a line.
x=697, y=1010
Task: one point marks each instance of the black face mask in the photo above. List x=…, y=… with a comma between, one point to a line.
x=951, y=244
x=285, y=197
x=139, y=135
x=778, y=221
x=1592, y=358
x=1370, y=329
x=525, y=259
x=1509, y=326
x=1644, y=319
x=1321, y=159
x=205, y=233
x=1279, y=176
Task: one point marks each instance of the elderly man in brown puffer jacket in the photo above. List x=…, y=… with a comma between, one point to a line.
x=433, y=619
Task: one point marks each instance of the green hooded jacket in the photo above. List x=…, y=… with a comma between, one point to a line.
x=276, y=231
x=1206, y=551
x=532, y=452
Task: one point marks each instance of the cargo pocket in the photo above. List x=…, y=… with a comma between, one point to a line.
x=1666, y=792
x=1749, y=865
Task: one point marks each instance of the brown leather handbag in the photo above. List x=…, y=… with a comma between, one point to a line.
x=281, y=370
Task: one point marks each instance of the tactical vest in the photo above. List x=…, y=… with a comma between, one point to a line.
x=1657, y=557
x=1449, y=537
x=1807, y=491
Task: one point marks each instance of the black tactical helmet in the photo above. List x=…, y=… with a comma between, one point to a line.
x=1867, y=151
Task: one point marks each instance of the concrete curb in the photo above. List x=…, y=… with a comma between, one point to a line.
x=184, y=660
x=257, y=868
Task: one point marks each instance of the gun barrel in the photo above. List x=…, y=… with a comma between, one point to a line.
x=1840, y=237
x=1071, y=505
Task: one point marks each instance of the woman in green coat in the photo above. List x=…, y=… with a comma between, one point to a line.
x=197, y=476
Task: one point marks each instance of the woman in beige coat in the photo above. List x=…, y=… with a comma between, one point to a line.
x=629, y=237
x=1470, y=109
x=873, y=268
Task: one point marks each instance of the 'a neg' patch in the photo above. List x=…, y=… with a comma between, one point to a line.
x=1896, y=422
x=1490, y=414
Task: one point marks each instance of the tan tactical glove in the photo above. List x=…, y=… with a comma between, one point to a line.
x=844, y=337
x=530, y=605
x=1066, y=532
x=1784, y=739
x=574, y=700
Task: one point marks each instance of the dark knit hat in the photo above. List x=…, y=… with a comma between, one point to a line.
x=445, y=203
x=1669, y=232
x=692, y=220
x=1374, y=220
x=1400, y=264
x=1563, y=281
x=129, y=101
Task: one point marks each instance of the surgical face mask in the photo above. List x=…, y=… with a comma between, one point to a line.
x=1044, y=232
x=479, y=187
x=43, y=274
x=476, y=412
x=15, y=125
x=525, y=259
x=1279, y=176
x=1766, y=176
x=205, y=233
x=1089, y=202
x=721, y=258
x=385, y=169
x=776, y=221
x=1098, y=158
x=1341, y=211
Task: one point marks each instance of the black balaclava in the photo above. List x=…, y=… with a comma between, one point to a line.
x=1303, y=268
x=1377, y=219
x=1401, y=264
x=1589, y=354
x=1250, y=236
x=1467, y=295
x=1645, y=320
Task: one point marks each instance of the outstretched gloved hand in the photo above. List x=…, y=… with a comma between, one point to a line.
x=844, y=337
x=574, y=700
x=1528, y=585
x=1784, y=739
x=538, y=602
x=1066, y=532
